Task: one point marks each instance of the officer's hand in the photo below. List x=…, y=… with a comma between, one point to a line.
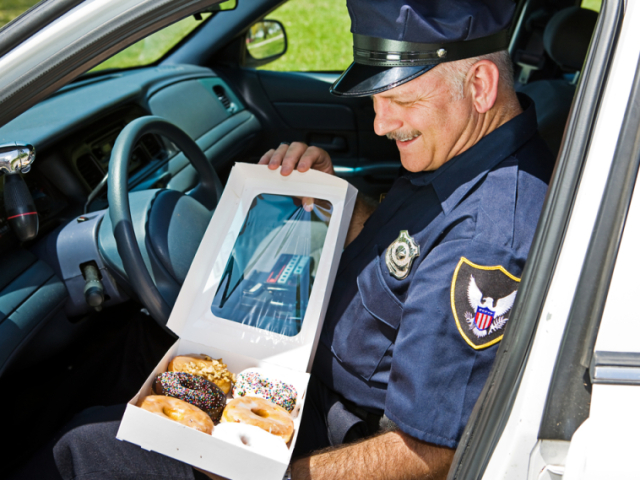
x=297, y=156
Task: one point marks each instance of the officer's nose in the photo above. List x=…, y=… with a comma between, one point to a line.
x=386, y=121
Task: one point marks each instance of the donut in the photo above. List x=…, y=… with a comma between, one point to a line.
x=203, y=365
x=262, y=413
x=253, y=438
x=192, y=389
x=252, y=384
x=178, y=411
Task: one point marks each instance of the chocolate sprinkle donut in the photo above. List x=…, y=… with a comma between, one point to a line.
x=192, y=389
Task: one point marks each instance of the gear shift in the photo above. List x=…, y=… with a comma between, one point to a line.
x=19, y=205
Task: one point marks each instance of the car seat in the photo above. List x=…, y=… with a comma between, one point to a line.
x=566, y=41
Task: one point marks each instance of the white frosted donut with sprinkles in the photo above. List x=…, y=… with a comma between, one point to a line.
x=253, y=384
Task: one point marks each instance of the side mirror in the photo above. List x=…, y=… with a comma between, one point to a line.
x=266, y=41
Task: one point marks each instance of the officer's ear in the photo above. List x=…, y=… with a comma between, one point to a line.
x=482, y=82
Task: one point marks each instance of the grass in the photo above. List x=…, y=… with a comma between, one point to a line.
x=592, y=4
x=318, y=33
x=143, y=52
x=152, y=48
x=10, y=9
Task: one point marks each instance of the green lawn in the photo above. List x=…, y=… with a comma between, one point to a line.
x=153, y=47
x=592, y=4
x=317, y=31
x=144, y=52
x=10, y=9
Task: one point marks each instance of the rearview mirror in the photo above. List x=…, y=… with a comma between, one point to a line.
x=224, y=5
x=266, y=41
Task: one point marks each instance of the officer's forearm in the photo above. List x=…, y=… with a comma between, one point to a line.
x=392, y=455
x=362, y=210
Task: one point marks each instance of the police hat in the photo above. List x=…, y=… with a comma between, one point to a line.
x=395, y=41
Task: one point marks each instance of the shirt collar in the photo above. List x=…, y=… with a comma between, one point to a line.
x=455, y=178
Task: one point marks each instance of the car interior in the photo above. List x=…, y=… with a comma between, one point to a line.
x=62, y=349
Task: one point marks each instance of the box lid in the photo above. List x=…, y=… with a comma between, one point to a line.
x=261, y=279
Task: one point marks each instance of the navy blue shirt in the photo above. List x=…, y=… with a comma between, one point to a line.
x=393, y=346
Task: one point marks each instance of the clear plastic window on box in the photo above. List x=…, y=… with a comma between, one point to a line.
x=270, y=273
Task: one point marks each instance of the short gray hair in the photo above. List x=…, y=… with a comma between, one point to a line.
x=456, y=72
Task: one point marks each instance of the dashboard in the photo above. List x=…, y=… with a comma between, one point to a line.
x=74, y=132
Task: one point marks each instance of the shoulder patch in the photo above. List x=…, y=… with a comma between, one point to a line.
x=481, y=300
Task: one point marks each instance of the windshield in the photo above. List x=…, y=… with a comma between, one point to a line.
x=145, y=52
x=154, y=47
x=10, y=9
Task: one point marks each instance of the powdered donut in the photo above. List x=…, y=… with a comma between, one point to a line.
x=192, y=389
x=203, y=365
x=261, y=413
x=252, y=384
x=253, y=438
x=178, y=411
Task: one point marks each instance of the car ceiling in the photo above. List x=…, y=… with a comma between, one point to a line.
x=52, y=57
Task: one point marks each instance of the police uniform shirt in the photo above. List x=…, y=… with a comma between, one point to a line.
x=420, y=348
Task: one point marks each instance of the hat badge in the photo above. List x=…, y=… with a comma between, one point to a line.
x=400, y=255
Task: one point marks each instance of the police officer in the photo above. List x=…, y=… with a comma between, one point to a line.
x=426, y=283
x=428, y=278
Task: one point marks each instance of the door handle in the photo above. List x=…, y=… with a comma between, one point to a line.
x=330, y=143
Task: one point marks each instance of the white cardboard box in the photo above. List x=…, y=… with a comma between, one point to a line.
x=286, y=358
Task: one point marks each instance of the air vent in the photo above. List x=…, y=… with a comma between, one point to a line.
x=152, y=145
x=224, y=99
x=89, y=170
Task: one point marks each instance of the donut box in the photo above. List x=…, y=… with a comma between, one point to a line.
x=255, y=296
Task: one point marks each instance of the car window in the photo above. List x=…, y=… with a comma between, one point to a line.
x=10, y=9
x=145, y=52
x=152, y=48
x=318, y=35
x=592, y=4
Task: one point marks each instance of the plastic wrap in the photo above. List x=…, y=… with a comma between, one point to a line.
x=275, y=329
x=269, y=275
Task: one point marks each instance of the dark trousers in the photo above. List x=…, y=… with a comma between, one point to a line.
x=91, y=451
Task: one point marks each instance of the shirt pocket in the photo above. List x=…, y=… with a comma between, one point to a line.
x=375, y=325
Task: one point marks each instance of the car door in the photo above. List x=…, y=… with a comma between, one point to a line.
x=290, y=96
x=343, y=126
x=542, y=387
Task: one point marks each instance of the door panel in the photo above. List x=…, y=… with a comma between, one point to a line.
x=316, y=116
x=294, y=106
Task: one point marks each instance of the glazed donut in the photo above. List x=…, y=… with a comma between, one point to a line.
x=192, y=389
x=261, y=413
x=179, y=411
x=252, y=384
x=203, y=365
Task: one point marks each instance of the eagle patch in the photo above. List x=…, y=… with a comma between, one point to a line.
x=481, y=300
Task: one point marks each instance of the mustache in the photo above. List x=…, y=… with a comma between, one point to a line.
x=403, y=136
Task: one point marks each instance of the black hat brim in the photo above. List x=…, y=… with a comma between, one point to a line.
x=362, y=80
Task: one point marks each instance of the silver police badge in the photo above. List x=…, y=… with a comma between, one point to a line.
x=400, y=255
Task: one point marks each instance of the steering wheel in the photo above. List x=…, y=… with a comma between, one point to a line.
x=171, y=223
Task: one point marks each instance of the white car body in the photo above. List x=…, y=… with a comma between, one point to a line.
x=605, y=445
